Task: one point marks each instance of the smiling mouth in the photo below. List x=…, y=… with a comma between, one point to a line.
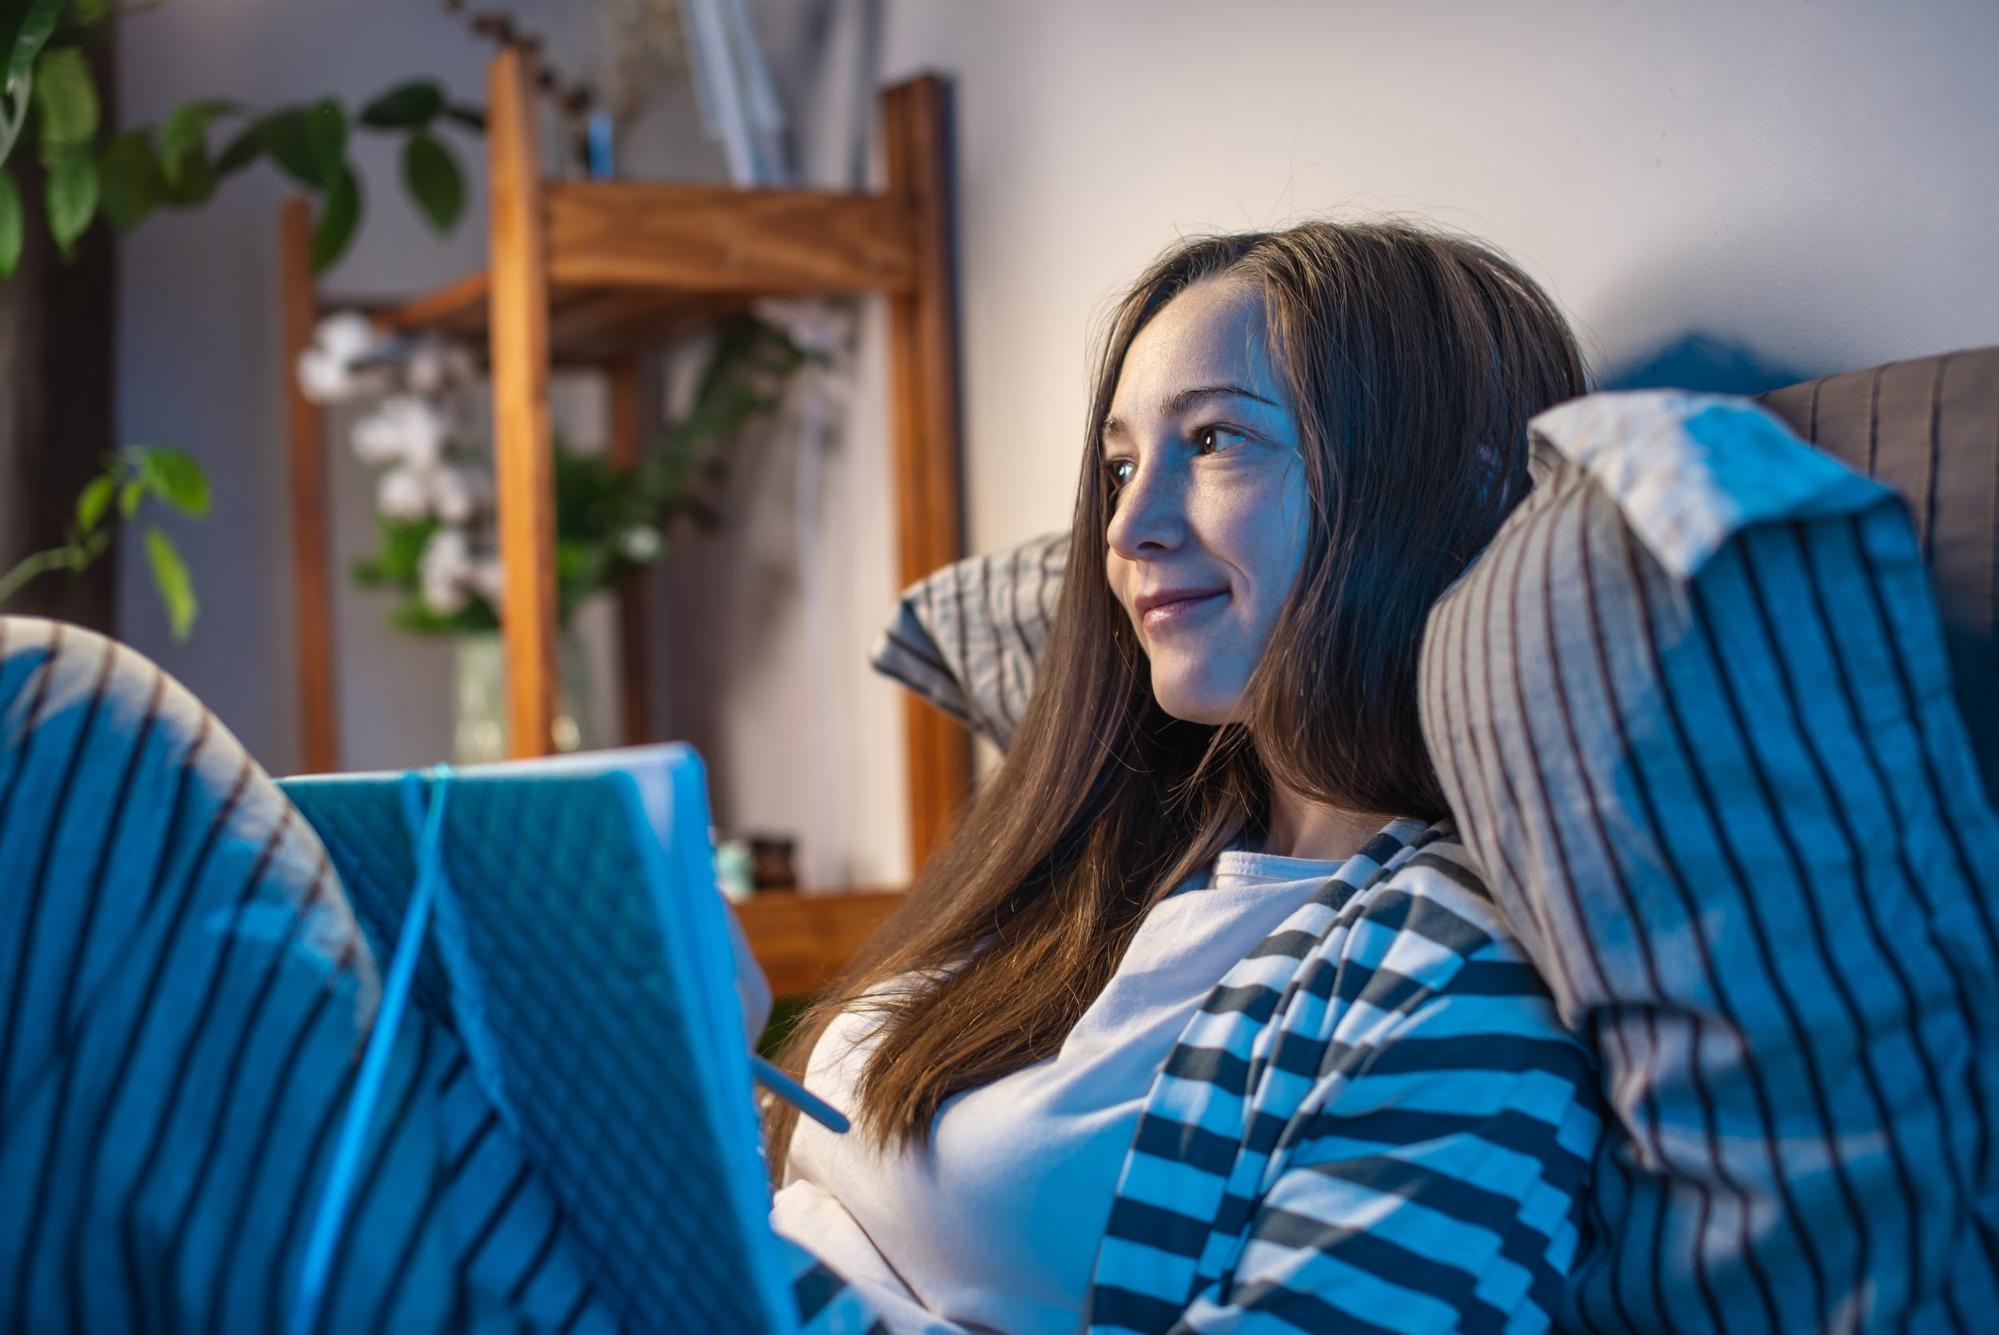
x=1173, y=613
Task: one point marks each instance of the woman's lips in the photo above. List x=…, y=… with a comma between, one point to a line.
x=1179, y=613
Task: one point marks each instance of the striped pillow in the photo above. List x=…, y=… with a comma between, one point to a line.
x=184, y=995
x=1929, y=428
x=966, y=637
x=1692, y=711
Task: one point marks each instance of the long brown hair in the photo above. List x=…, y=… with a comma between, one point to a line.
x=1413, y=360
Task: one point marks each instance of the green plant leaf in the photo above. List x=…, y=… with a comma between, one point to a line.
x=130, y=183
x=170, y=576
x=400, y=555
x=28, y=37
x=241, y=151
x=471, y=117
x=11, y=230
x=196, y=185
x=184, y=136
x=94, y=500
x=416, y=617
x=409, y=106
x=173, y=476
x=431, y=173
x=71, y=195
x=130, y=495
x=338, y=217
x=65, y=101
x=309, y=144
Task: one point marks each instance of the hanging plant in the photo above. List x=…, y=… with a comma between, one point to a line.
x=48, y=100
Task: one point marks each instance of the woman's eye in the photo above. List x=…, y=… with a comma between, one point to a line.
x=1215, y=439
x=1118, y=471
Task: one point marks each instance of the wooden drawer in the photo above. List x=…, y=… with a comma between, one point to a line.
x=803, y=942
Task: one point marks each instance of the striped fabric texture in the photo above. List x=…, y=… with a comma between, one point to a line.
x=966, y=638
x=1375, y=1122
x=184, y=995
x=1929, y=428
x=1701, y=738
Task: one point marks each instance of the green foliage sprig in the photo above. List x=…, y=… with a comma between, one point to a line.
x=48, y=94
x=133, y=476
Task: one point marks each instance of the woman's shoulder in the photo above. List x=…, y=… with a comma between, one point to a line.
x=1420, y=877
x=1428, y=981
x=1424, y=920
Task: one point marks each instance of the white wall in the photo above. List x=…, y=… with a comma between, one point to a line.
x=1812, y=182
x=1798, y=187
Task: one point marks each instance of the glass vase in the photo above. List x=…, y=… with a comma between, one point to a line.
x=479, y=731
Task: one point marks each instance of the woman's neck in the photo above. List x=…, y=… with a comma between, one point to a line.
x=1302, y=828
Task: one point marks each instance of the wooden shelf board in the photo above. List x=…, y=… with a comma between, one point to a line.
x=728, y=242
x=803, y=942
x=632, y=263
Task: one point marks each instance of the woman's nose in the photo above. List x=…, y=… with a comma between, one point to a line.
x=1150, y=515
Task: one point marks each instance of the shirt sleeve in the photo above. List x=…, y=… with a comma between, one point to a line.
x=1437, y=1183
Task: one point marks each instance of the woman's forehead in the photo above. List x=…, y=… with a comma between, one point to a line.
x=1212, y=333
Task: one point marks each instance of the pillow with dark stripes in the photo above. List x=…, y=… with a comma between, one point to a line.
x=185, y=991
x=967, y=636
x=1929, y=427
x=1692, y=712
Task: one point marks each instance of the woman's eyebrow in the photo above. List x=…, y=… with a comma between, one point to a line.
x=1187, y=398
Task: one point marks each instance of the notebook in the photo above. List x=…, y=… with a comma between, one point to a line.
x=578, y=946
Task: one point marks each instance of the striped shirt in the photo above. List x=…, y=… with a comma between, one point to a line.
x=1375, y=1120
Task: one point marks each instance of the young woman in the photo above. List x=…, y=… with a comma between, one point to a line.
x=1202, y=1015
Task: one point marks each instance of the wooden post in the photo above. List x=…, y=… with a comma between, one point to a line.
x=522, y=462
x=923, y=346
x=312, y=594
x=634, y=647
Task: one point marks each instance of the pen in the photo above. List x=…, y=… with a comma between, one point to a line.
x=797, y=1095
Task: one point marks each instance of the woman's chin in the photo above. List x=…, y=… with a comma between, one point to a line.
x=1193, y=706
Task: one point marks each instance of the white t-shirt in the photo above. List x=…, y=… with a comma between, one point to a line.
x=996, y=1225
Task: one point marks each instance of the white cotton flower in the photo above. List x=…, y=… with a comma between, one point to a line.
x=403, y=493
x=322, y=379
x=346, y=335
x=329, y=370
x=426, y=430
x=378, y=436
x=405, y=429
x=449, y=549
x=640, y=543
x=445, y=597
x=435, y=365
x=489, y=580
x=451, y=494
x=444, y=570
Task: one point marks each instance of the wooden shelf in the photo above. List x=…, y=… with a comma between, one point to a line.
x=593, y=274
x=634, y=263
x=804, y=941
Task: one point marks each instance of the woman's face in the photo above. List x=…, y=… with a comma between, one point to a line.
x=1209, y=516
